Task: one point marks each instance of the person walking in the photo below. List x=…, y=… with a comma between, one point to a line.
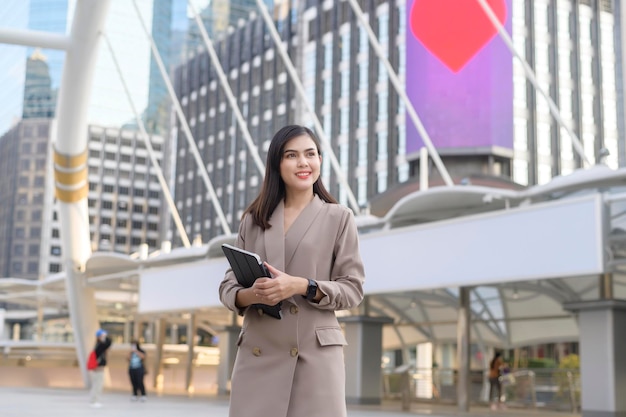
x=495, y=385
x=137, y=370
x=103, y=342
x=294, y=366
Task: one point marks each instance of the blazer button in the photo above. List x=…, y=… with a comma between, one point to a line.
x=256, y=351
x=260, y=311
x=293, y=309
x=294, y=352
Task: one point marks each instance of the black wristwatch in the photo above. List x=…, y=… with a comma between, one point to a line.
x=311, y=290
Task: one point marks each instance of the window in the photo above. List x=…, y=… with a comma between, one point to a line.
x=138, y=192
x=54, y=268
x=120, y=240
x=18, y=250
x=123, y=190
x=137, y=208
x=107, y=205
x=55, y=233
x=36, y=215
x=33, y=250
x=55, y=250
x=33, y=267
x=153, y=226
x=35, y=232
x=17, y=267
x=20, y=215
x=106, y=220
x=121, y=223
x=108, y=188
x=19, y=232
x=137, y=225
x=153, y=210
x=135, y=241
x=39, y=181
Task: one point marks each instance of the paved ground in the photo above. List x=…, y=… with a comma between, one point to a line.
x=37, y=402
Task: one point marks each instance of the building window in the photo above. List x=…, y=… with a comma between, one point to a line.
x=33, y=267
x=17, y=267
x=18, y=250
x=33, y=250
x=54, y=268
x=55, y=250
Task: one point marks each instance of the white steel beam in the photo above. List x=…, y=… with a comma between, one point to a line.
x=70, y=145
x=291, y=70
x=34, y=38
x=193, y=147
x=393, y=77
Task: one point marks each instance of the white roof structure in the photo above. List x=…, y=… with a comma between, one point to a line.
x=509, y=309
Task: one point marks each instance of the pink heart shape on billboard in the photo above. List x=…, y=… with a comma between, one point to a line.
x=454, y=30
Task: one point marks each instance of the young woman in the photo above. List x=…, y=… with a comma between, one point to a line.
x=137, y=370
x=294, y=366
x=103, y=342
x=495, y=386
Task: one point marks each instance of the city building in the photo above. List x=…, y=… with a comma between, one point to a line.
x=259, y=80
x=485, y=119
x=23, y=155
x=39, y=97
x=124, y=197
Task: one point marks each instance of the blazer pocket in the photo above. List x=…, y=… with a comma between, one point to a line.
x=330, y=336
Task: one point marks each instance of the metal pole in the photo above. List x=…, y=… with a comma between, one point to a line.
x=530, y=75
x=35, y=38
x=280, y=47
x=463, y=346
x=254, y=150
x=397, y=84
x=153, y=158
x=184, y=125
x=191, y=336
x=423, y=169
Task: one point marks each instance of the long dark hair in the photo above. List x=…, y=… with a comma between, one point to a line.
x=495, y=358
x=136, y=343
x=273, y=188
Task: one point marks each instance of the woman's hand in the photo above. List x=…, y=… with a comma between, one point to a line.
x=271, y=291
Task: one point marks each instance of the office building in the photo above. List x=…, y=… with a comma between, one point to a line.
x=260, y=83
x=570, y=44
x=39, y=97
x=124, y=197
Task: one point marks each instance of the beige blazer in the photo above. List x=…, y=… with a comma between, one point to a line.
x=294, y=366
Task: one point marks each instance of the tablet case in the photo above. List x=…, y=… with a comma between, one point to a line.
x=247, y=267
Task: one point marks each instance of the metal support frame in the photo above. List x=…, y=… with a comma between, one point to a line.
x=252, y=148
x=193, y=147
x=397, y=84
x=463, y=347
x=291, y=70
x=71, y=140
x=153, y=159
x=530, y=76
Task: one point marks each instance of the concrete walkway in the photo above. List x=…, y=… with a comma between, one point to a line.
x=39, y=402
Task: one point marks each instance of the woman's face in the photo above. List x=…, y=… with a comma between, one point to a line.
x=300, y=164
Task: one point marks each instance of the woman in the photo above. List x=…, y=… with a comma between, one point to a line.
x=294, y=366
x=137, y=370
x=495, y=386
x=103, y=342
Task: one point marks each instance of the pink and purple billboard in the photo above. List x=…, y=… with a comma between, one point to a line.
x=459, y=74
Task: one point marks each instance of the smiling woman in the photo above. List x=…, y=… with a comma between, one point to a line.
x=311, y=249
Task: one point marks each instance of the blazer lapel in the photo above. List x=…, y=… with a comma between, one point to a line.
x=300, y=226
x=275, y=239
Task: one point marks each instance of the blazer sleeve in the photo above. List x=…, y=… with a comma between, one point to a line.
x=229, y=285
x=345, y=288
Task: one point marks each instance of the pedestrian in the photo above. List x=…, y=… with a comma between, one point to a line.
x=495, y=384
x=294, y=366
x=137, y=370
x=103, y=342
